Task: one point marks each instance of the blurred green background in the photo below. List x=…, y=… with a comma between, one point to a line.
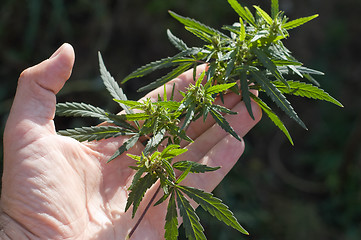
x=309, y=191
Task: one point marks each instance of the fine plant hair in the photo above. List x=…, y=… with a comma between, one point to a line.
x=245, y=56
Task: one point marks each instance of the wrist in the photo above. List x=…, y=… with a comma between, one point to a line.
x=10, y=229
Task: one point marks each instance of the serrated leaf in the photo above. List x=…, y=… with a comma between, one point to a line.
x=74, y=109
x=214, y=206
x=153, y=66
x=242, y=12
x=137, y=176
x=196, y=25
x=242, y=30
x=259, y=35
x=169, y=169
x=170, y=105
x=311, y=79
x=222, y=122
x=194, y=167
x=137, y=193
x=94, y=133
x=191, y=224
x=298, y=22
x=170, y=76
x=111, y=85
x=130, y=103
x=223, y=109
x=154, y=142
x=136, y=116
x=306, y=90
x=119, y=121
x=171, y=221
x=171, y=151
x=264, y=15
x=200, y=34
x=245, y=93
x=267, y=63
x=178, y=43
x=277, y=97
x=125, y=147
x=219, y=88
x=274, y=8
x=189, y=116
x=275, y=119
x=230, y=64
x=183, y=175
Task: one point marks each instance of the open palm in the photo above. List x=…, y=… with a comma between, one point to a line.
x=57, y=188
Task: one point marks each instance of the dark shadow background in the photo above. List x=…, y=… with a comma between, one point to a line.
x=309, y=191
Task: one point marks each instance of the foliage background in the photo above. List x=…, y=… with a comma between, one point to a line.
x=310, y=191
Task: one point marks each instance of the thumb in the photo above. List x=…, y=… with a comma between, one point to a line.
x=35, y=95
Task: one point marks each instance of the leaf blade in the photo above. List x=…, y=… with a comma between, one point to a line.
x=277, y=97
x=298, y=22
x=214, y=206
x=306, y=90
x=275, y=119
x=171, y=221
x=194, y=167
x=191, y=224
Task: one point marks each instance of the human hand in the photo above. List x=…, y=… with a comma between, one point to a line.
x=55, y=187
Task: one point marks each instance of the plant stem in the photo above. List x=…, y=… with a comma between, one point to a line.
x=143, y=214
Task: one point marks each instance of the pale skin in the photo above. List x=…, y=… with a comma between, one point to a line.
x=54, y=187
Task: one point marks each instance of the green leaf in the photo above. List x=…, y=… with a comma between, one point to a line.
x=170, y=105
x=120, y=121
x=223, y=109
x=75, y=109
x=178, y=43
x=230, y=64
x=298, y=22
x=219, y=88
x=153, y=66
x=154, y=142
x=137, y=175
x=111, y=85
x=125, y=147
x=200, y=34
x=214, y=206
x=173, y=152
x=191, y=224
x=130, y=103
x=94, y=133
x=274, y=8
x=194, y=167
x=170, y=76
x=136, y=116
x=169, y=169
x=242, y=12
x=188, y=22
x=242, y=32
x=171, y=221
x=189, y=116
x=264, y=15
x=245, y=93
x=184, y=175
x=222, y=122
x=305, y=90
x=137, y=193
x=267, y=62
x=277, y=97
x=275, y=119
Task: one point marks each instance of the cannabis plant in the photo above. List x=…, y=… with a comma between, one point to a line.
x=250, y=57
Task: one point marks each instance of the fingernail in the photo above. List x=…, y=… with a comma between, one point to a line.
x=56, y=53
